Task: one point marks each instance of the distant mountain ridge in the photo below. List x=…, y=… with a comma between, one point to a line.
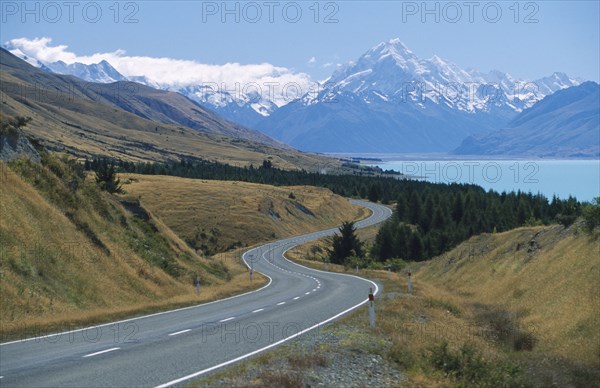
x=101, y=72
x=389, y=100
x=130, y=121
x=245, y=108
x=564, y=124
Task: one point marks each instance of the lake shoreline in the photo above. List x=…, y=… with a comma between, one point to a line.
x=579, y=178
x=387, y=157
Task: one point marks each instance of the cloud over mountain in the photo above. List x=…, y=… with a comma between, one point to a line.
x=172, y=74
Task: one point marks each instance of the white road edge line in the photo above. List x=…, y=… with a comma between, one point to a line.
x=180, y=332
x=100, y=352
x=257, y=310
x=227, y=319
x=199, y=373
x=140, y=318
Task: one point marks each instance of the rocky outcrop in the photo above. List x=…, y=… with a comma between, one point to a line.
x=15, y=145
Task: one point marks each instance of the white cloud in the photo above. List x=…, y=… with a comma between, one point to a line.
x=312, y=60
x=171, y=73
x=328, y=64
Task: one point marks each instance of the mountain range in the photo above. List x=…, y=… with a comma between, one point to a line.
x=564, y=124
x=130, y=121
x=389, y=100
x=392, y=101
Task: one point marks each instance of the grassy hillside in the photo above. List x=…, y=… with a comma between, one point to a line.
x=130, y=121
x=517, y=308
x=213, y=216
x=71, y=255
x=545, y=280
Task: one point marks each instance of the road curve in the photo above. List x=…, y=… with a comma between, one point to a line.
x=172, y=347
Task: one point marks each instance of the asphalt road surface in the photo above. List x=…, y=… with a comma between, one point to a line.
x=172, y=347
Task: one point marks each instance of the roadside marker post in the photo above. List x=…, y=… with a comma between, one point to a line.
x=371, y=308
x=251, y=271
x=197, y=282
x=409, y=283
x=357, y=269
x=389, y=273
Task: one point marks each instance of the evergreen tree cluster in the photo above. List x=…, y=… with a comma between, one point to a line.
x=430, y=218
x=433, y=220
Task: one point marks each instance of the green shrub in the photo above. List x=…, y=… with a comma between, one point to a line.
x=469, y=368
x=591, y=215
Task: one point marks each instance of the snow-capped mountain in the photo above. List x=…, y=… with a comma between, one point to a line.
x=101, y=72
x=390, y=100
x=242, y=106
x=32, y=61
x=245, y=108
x=564, y=124
x=392, y=72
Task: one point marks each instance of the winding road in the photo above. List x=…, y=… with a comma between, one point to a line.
x=172, y=347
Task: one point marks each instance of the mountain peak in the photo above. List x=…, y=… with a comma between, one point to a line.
x=393, y=47
x=437, y=60
x=397, y=43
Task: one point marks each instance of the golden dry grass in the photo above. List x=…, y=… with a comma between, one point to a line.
x=224, y=215
x=553, y=290
x=52, y=275
x=537, y=309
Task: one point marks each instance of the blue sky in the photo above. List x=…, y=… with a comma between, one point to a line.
x=542, y=37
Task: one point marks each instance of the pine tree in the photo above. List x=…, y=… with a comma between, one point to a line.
x=458, y=208
x=106, y=177
x=401, y=240
x=438, y=221
x=416, y=247
x=415, y=209
x=345, y=245
x=383, y=247
x=373, y=193
x=401, y=209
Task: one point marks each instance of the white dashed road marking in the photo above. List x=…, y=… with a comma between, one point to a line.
x=180, y=332
x=227, y=319
x=101, y=352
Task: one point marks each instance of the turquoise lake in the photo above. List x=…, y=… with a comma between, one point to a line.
x=579, y=178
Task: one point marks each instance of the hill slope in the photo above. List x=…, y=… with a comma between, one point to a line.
x=564, y=124
x=544, y=279
x=130, y=121
x=214, y=216
x=72, y=255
